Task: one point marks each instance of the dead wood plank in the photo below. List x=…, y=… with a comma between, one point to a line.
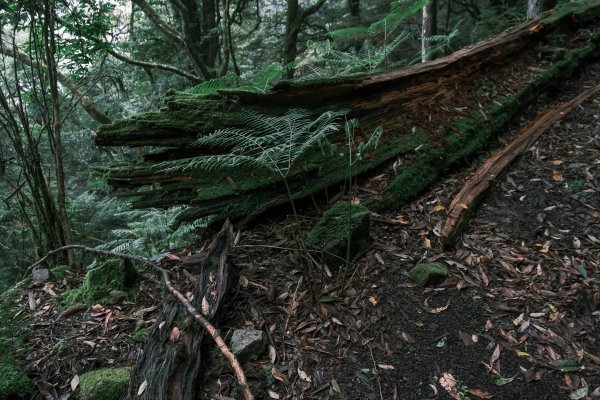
x=463, y=203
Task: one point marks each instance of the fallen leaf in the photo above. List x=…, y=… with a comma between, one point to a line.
x=74, y=382
x=172, y=256
x=142, y=387
x=406, y=337
x=439, y=207
x=495, y=355
x=565, y=365
x=174, y=336
x=272, y=394
x=480, y=394
x=556, y=176
x=500, y=381
x=303, y=375
x=467, y=339
x=579, y=393
x=448, y=382
x=336, y=388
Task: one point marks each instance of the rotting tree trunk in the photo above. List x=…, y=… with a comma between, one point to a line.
x=170, y=364
x=437, y=107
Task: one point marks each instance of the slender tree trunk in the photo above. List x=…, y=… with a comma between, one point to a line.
x=290, y=41
x=429, y=29
x=55, y=128
x=295, y=18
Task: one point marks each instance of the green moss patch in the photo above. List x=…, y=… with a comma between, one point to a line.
x=341, y=222
x=60, y=272
x=104, y=384
x=428, y=273
x=101, y=280
x=14, y=384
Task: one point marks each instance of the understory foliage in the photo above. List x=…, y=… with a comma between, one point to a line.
x=149, y=233
x=274, y=143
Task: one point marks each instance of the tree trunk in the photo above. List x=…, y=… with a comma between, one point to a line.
x=290, y=40
x=536, y=7
x=170, y=363
x=422, y=106
x=429, y=29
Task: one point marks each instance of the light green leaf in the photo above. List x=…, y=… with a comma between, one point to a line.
x=500, y=381
x=579, y=393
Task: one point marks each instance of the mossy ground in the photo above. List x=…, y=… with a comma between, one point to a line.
x=14, y=384
x=60, y=272
x=99, y=281
x=104, y=384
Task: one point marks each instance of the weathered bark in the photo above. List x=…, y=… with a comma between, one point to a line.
x=400, y=101
x=173, y=354
x=536, y=7
x=463, y=204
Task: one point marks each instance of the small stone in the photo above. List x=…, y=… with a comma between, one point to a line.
x=40, y=276
x=429, y=273
x=247, y=343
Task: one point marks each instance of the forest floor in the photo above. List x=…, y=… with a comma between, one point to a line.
x=518, y=318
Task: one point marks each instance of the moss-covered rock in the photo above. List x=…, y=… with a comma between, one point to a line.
x=104, y=384
x=14, y=384
x=428, y=273
x=101, y=280
x=341, y=222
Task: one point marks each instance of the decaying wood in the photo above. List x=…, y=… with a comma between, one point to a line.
x=402, y=102
x=170, y=363
x=464, y=202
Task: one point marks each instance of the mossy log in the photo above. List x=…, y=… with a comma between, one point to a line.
x=169, y=366
x=447, y=109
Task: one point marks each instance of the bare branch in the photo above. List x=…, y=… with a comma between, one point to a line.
x=158, y=21
x=312, y=9
x=155, y=65
x=87, y=104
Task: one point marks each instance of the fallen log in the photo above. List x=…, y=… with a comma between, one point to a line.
x=464, y=203
x=447, y=109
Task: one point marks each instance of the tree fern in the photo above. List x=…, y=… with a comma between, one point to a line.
x=270, y=142
x=149, y=233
